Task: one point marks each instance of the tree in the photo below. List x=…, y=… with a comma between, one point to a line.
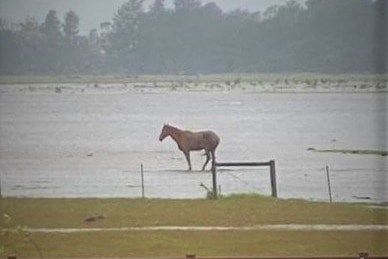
x=31, y=47
x=10, y=49
x=52, y=28
x=331, y=36
x=212, y=9
x=70, y=27
x=157, y=8
x=52, y=43
x=340, y=34
x=187, y=5
x=124, y=36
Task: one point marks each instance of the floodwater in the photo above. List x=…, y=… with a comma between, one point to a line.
x=90, y=141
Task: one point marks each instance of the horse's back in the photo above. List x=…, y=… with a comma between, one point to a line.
x=207, y=140
x=211, y=139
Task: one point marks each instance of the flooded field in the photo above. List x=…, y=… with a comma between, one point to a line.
x=90, y=141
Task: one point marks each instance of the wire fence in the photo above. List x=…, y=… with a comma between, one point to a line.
x=335, y=184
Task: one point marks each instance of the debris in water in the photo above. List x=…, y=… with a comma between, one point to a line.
x=362, y=197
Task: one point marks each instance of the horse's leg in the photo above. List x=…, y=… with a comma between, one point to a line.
x=207, y=160
x=187, y=155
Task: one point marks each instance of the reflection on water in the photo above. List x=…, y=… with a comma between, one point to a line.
x=91, y=144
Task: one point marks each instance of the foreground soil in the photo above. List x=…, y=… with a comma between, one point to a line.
x=21, y=214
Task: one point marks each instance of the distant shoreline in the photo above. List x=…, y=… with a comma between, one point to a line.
x=308, y=78
x=283, y=83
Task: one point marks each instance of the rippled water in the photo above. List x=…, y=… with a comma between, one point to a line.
x=91, y=143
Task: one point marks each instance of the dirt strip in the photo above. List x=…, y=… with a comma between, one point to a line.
x=280, y=227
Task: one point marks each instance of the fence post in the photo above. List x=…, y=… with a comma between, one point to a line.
x=142, y=181
x=214, y=178
x=273, y=179
x=328, y=183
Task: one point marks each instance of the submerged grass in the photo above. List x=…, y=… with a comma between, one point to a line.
x=232, y=78
x=240, y=210
x=355, y=151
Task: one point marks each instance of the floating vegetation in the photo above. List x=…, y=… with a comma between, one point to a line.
x=352, y=151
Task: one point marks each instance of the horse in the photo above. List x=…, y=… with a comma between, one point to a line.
x=192, y=141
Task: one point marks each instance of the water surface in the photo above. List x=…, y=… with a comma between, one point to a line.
x=91, y=143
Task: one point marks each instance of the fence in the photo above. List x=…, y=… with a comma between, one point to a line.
x=270, y=163
x=174, y=181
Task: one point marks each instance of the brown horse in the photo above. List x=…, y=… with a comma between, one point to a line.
x=188, y=140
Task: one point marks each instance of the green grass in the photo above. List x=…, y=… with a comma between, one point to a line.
x=234, y=211
x=242, y=210
x=217, y=243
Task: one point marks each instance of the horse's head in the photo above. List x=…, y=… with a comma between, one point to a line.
x=165, y=132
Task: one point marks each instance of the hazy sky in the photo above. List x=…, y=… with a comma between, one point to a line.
x=93, y=12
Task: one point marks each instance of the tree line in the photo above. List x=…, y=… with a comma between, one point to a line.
x=331, y=36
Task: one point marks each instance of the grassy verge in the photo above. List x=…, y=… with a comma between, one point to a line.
x=233, y=211
x=217, y=243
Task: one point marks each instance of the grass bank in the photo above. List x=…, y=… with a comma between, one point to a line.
x=244, y=210
x=216, y=243
x=237, y=211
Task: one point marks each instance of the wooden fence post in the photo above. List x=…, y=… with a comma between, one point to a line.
x=273, y=178
x=214, y=178
x=142, y=181
x=328, y=183
x=271, y=165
